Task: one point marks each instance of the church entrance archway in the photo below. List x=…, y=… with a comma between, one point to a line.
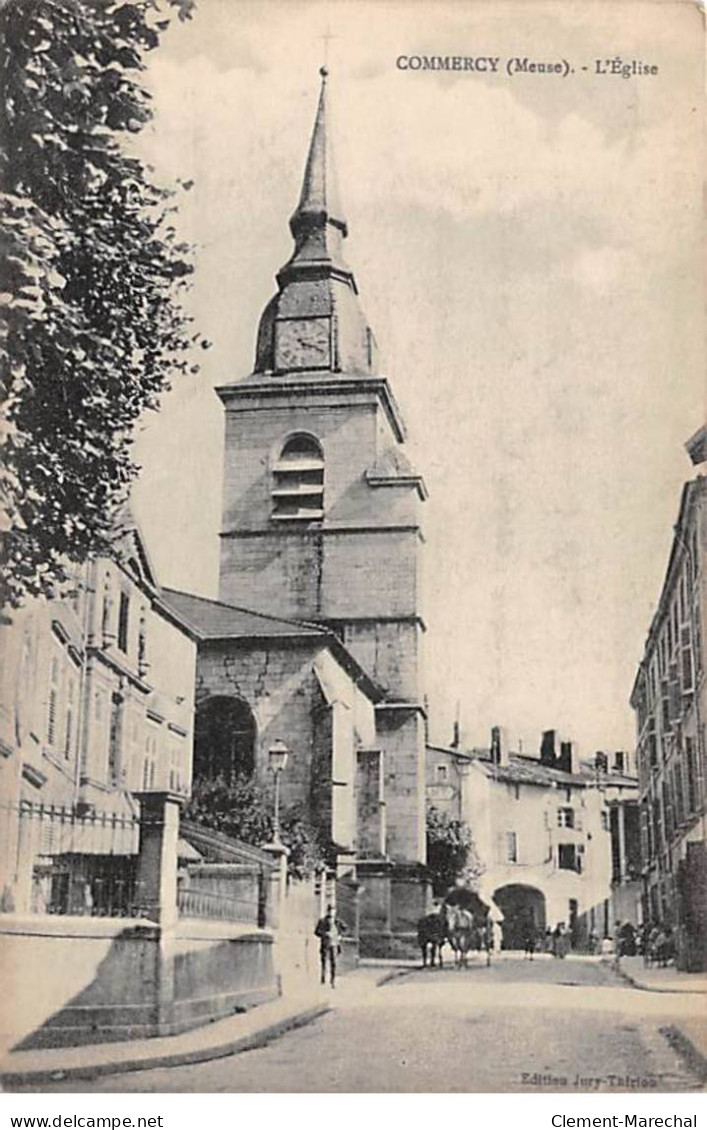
x=521, y=907
x=224, y=739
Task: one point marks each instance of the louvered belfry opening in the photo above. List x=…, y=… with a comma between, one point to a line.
x=298, y=481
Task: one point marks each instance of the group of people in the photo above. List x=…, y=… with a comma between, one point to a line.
x=657, y=944
x=655, y=941
x=556, y=941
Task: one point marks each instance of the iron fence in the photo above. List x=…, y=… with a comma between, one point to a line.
x=74, y=862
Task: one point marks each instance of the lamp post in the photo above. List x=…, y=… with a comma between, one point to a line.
x=277, y=760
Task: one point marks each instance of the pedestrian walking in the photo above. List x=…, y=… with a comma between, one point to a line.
x=618, y=943
x=327, y=930
x=607, y=948
x=593, y=940
x=560, y=940
x=530, y=940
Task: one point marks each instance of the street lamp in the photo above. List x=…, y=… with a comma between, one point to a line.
x=277, y=760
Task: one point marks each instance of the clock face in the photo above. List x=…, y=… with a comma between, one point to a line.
x=303, y=344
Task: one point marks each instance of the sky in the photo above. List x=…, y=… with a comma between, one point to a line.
x=528, y=253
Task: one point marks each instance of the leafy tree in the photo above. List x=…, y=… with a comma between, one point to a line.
x=243, y=809
x=451, y=854
x=92, y=280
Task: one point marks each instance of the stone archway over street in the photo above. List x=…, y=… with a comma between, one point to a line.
x=521, y=907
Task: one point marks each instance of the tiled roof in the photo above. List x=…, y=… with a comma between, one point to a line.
x=524, y=770
x=213, y=620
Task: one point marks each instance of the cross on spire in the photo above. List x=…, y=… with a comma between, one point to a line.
x=326, y=39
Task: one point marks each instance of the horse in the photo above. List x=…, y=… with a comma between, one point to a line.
x=460, y=932
x=431, y=936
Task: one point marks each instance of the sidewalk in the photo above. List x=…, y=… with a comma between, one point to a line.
x=657, y=980
x=213, y=1041
x=224, y=1037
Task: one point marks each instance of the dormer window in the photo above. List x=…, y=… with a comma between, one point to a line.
x=298, y=481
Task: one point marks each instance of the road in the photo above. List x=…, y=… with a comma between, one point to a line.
x=518, y=1026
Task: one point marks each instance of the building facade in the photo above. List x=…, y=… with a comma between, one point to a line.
x=668, y=698
x=96, y=704
x=552, y=836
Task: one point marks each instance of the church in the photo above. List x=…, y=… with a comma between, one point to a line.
x=316, y=638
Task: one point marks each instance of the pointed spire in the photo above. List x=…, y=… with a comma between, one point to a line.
x=319, y=200
x=314, y=322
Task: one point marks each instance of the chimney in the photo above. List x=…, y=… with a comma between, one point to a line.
x=601, y=762
x=456, y=736
x=499, y=746
x=564, y=761
x=547, y=749
x=619, y=761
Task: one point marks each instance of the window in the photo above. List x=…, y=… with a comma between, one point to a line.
x=224, y=739
x=152, y=745
x=52, y=701
x=568, y=857
x=298, y=481
x=441, y=772
x=679, y=794
x=682, y=595
x=605, y=819
x=511, y=847
x=668, y=812
x=115, y=738
x=123, y=619
x=565, y=818
x=691, y=763
x=697, y=639
x=665, y=705
x=686, y=666
x=176, y=764
x=142, y=660
x=69, y=724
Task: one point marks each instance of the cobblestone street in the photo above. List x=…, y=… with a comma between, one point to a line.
x=518, y=1026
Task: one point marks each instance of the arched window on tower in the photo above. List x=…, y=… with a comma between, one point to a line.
x=298, y=481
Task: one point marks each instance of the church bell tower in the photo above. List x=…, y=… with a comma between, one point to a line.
x=321, y=518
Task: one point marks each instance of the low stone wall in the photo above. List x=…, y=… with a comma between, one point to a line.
x=401, y=946
x=70, y=981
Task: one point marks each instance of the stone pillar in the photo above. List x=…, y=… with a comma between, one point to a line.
x=156, y=895
x=278, y=883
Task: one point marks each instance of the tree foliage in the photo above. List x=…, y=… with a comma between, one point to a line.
x=451, y=854
x=93, y=327
x=243, y=809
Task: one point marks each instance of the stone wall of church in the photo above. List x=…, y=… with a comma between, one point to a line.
x=402, y=736
x=278, y=683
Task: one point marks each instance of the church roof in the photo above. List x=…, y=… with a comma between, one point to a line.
x=213, y=620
